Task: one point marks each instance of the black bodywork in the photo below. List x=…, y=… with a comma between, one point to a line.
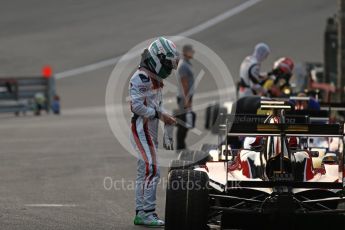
x=241, y=204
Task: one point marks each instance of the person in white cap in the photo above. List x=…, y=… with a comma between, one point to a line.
x=251, y=78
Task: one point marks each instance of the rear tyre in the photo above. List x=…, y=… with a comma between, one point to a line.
x=187, y=202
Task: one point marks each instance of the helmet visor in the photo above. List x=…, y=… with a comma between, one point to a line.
x=175, y=62
x=170, y=63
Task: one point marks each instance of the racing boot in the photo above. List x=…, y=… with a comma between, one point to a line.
x=151, y=219
x=139, y=218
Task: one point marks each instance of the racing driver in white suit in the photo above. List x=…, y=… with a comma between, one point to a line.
x=251, y=78
x=145, y=90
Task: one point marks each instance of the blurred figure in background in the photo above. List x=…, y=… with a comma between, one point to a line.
x=278, y=84
x=185, y=79
x=39, y=103
x=250, y=72
x=56, y=105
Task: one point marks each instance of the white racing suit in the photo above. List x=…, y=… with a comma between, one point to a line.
x=145, y=99
x=250, y=77
x=250, y=72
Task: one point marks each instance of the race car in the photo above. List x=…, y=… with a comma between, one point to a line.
x=272, y=183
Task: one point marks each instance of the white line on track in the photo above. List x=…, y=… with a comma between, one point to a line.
x=222, y=17
x=213, y=95
x=50, y=205
x=197, y=29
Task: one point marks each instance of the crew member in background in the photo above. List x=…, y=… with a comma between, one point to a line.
x=251, y=77
x=185, y=79
x=278, y=84
x=145, y=91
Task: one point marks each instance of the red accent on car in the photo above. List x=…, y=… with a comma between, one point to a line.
x=245, y=168
x=309, y=174
x=236, y=165
x=293, y=143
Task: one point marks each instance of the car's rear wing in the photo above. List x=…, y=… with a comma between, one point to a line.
x=261, y=119
x=310, y=113
x=291, y=117
x=315, y=115
x=270, y=104
x=297, y=130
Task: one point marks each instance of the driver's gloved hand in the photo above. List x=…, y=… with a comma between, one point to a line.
x=168, y=141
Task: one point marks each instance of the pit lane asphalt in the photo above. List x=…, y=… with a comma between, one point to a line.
x=64, y=160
